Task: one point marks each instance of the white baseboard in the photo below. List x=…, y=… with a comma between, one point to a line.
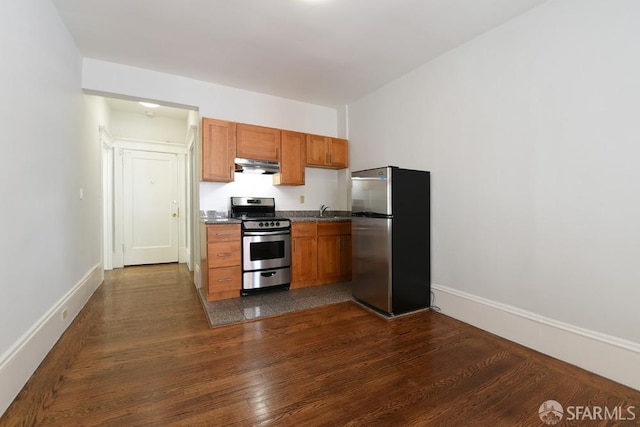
x=198, y=278
x=21, y=360
x=187, y=257
x=605, y=355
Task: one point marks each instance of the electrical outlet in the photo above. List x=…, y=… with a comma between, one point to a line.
x=301, y=199
x=65, y=313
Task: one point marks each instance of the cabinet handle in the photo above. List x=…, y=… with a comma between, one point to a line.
x=277, y=153
x=226, y=254
x=223, y=234
x=226, y=279
x=326, y=158
x=294, y=245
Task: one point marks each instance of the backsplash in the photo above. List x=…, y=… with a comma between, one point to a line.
x=323, y=187
x=299, y=214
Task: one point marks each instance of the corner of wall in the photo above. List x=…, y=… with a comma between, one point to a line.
x=23, y=358
x=601, y=354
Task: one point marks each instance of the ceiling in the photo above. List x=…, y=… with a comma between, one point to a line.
x=326, y=52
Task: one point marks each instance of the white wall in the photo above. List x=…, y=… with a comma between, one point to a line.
x=138, y=126
x=50, y=245
x=322, y=188
x=235, y=105
x=531, y=132
x=212, y=100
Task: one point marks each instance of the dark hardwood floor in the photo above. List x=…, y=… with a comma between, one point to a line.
x=141, y=353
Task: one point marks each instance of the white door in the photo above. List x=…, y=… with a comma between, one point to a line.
x=150, y=207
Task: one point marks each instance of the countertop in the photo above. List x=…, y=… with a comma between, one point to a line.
x=326, y=218
x=293, y=216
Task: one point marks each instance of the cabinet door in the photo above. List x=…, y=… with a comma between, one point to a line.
x=292, y=159
x=316, y=150
x=327, y=152
x=257, y=142
x=334, y=250
x=218, y=150
x=338, y=153
x=345, y=255
x=328, y=256
x=304, y=263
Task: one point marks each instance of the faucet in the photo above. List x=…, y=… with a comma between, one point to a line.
x=323, y=209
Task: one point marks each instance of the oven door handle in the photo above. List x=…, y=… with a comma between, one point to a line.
x=268, y=274
x=266, y=233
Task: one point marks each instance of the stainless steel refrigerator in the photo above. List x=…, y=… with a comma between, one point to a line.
x=391, y=239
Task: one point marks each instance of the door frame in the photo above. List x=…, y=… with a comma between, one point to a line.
x=106, y=145
x=192, y=231
x=121, y=144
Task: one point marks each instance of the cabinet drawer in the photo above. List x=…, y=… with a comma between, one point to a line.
x=334, y=228
x=225, y=279
x=223, y=254
x=223, y=232
x=304, y=229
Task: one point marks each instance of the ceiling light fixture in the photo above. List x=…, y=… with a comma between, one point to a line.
x=148, y=104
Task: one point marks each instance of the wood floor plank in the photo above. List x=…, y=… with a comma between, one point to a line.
x=141, y=353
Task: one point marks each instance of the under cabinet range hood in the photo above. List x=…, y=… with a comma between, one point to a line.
x=256, y=166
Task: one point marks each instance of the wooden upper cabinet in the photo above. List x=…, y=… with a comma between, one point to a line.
x=292, y=159
x=338, y=153
x=316, y=150
x=257, y=143
x=304, y=253
x=218, y=150
x=327, y=152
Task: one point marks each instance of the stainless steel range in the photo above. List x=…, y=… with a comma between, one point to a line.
x=266, y=244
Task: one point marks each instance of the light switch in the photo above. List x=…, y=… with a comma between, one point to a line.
x=301, y=199
x=81, y=193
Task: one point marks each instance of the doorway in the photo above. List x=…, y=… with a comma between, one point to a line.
x=147, y=184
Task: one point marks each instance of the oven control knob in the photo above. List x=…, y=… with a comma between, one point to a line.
x=272, y=223
x=278, y=224
x=260, y=225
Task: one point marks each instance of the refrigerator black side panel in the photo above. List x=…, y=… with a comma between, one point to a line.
x=411, y=247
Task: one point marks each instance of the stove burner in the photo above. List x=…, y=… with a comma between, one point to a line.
x=258, y=213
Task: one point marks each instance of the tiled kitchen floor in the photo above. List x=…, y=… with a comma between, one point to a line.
x=272, y=303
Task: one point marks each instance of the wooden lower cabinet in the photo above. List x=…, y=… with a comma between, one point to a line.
x=304, y=254
x=334, y=251
x=321, y=253
x=220, y=265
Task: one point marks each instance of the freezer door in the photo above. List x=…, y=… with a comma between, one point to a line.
x=371, y=191
x=371, y=277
